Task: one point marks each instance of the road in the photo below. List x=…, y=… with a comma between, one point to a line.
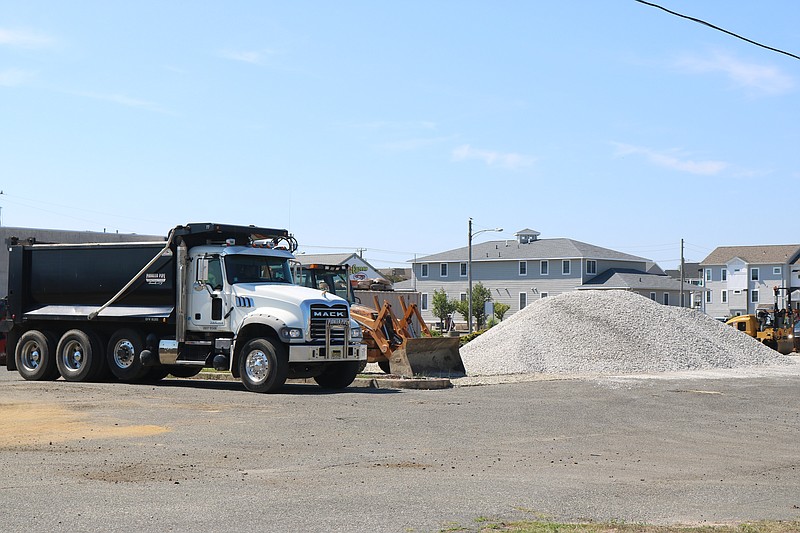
x=208, y=456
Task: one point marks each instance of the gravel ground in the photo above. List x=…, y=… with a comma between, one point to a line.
x=611, y=332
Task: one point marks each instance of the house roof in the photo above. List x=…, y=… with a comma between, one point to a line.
x=325, y=259
x=626, y=278
x=755, y=255
x=689, y=271
x=538, y=249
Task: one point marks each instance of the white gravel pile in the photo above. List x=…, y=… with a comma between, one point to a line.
x=610, y=332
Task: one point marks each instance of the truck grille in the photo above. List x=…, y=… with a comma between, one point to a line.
x=321, y=314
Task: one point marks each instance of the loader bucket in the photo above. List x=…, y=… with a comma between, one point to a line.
x=428, y=356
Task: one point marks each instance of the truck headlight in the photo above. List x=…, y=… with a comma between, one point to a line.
x=356, y=333
x=291, y=333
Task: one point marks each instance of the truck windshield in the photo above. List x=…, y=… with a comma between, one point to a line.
x=257, y=269
x=331, y=281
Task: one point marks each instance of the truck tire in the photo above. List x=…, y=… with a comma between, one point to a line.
x=35, y=356
x=122, y=355
x=79, y=356
x=338, y=375
x=263, y=365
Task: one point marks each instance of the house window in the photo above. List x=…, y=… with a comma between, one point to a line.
x=523, y=300
x=666, y=298
x=591, y=266
x=423, y=268
x=462, y=296
x=708, y=297
x=424, y=301
x=653, y=296
x=708, y=274
x=463, y=270
x=724, y=296
x=545, y=295
x=776, y=271
x=566, y=267
x=443, y=270
x=754, y=274
x=754, y=296
x=724, y=274
x=523, y=268
x=544, y=268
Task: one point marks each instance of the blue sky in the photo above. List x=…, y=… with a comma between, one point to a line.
x=387, y=125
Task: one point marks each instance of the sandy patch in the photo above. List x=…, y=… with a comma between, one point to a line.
x=32, y=424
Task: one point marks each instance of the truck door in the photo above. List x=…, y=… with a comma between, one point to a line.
x=206, y=302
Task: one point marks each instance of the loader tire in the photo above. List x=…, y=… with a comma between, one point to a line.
x=338, y=375
x=384, y=365
x=35, y=356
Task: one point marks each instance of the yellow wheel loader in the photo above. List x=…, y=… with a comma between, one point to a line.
x=773, y=328
x=403, y=346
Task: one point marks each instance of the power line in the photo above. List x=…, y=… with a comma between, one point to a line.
x=723, y=30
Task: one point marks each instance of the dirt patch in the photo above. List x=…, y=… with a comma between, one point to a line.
x=31, y=424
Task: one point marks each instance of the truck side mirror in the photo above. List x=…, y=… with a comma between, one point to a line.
x=201, y=273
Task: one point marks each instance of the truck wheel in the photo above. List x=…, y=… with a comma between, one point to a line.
x=122, y=355
x=35, y=356
x=338, y=375
x=79, y=356
x=263, y=365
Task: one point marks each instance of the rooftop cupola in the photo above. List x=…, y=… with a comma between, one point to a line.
x=526, y=236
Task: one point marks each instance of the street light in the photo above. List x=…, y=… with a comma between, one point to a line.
x=470, y=235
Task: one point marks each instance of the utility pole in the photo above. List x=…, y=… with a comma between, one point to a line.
x=682, y=264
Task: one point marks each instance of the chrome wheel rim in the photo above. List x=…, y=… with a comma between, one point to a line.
x=124, y=354
x=73, y=355
x=256, y=366
x=31, y=356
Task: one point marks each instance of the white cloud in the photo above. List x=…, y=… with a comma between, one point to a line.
x=761, y=78
x=127, y=101
x=254, y=57
x=24, y=38
x=418, y=143
x=508, y=160
x=14, y=77
x=672, y=159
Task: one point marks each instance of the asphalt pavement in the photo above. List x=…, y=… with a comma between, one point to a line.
x=187, y=455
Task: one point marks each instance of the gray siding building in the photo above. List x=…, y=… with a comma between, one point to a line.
x=739, y=280
x=519, y=271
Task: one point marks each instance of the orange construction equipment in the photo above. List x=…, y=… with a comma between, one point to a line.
x=394, y=343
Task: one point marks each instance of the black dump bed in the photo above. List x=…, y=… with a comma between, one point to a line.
x=44, y=278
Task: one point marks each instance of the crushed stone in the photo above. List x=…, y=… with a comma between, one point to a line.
x=611, y=332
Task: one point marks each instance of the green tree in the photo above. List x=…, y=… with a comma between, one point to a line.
x=462, y=308
x=442, y=306
x=500, y=310
x=480, y=295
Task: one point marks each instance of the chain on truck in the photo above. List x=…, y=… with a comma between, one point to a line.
x=211, y=295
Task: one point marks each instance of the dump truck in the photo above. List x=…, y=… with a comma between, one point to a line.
x=399, y=345
x=772, y=327
x=209, y=296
